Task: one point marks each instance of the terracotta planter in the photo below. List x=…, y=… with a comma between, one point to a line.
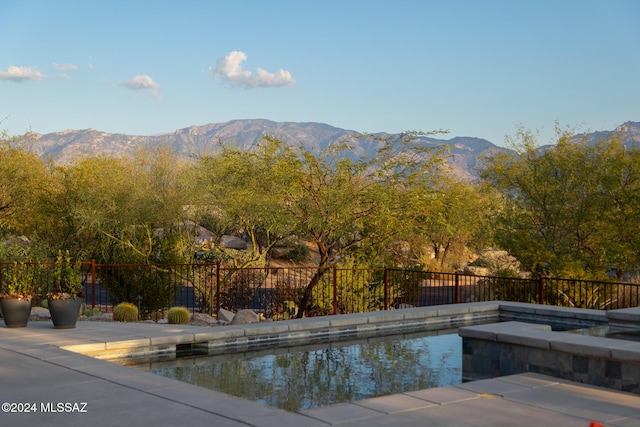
x=15, y=312
x=64, y=313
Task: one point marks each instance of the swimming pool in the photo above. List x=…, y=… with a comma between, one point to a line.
x=299, y=378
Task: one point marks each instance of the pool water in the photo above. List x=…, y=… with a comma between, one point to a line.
x=301, y=378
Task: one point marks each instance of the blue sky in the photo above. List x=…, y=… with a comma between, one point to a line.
x=477, y=68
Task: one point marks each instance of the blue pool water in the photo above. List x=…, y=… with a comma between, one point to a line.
x=300, y=378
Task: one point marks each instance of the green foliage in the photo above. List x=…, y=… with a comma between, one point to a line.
x=178, y=315
x=571, y=209
x=450, y=216
x=340, y=204
x=89, y=312
x=157, y=284
x=18, y=281
x=345, y=206
x=66, y=278
x=298, y=253
x=290, y=310
x=245, y=193
x=125, y=312
x=23, y=179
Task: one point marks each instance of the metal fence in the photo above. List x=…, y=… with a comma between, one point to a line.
x=278, y=292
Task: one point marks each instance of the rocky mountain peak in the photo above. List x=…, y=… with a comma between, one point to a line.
x=68, y=145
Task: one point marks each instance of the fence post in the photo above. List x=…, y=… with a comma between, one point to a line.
x=386, y=288
x=93, y=283
x=541, y=289
x=335, y=290
x=217, y=286
x=457, y=287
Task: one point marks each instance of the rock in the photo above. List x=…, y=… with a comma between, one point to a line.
x=489, y=262
x=40, y=312
x=245, y=317
x=225, y=315
x=232, y=242
x=202, y=319
x=102, y=317
x=405, y=305
x=472, y=270
x=22, y=241
x=205, y=241
x=279, y=252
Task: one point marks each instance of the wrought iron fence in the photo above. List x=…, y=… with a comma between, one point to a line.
x=278, y=292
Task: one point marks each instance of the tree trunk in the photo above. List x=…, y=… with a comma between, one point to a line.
x=325, y=252
x=302, y=310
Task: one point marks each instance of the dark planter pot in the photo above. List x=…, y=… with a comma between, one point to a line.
x=64, y=312
x=15, y=312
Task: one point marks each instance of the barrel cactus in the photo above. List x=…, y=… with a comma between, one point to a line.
x=178, y=315
x=125, y=312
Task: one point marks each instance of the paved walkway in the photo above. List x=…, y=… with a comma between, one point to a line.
x=36, y=375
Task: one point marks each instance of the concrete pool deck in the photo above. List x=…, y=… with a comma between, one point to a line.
x=36, y=370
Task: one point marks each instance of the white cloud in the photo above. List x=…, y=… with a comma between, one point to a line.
x=20, y=74
x=65, y=67
x=229, y=70
x=143, y=82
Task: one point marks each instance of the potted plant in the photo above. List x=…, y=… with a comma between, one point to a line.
x=17, y=290
x=66, y=294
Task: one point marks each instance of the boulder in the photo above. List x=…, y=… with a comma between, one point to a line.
x=202, y=319
x=280, y=252
x=245, y=317
x=472, y=270
x=40, y=312
x=491, y=261
x=225, y=315
x=232, y=242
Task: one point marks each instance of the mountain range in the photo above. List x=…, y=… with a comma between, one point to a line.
x=464, y=152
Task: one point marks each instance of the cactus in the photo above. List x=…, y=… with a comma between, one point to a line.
x=178, y=315
x=88, y=312
x=125, y=312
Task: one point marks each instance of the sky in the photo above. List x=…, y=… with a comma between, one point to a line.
x=476, y=68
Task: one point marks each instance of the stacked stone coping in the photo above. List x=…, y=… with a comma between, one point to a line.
x=557, y=317
x=507, y=348
x=541, y=336
x=297, y=331
x=625, y=318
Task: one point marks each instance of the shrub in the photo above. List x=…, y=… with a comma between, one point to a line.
x=125, y=312
x=88, y=312
x=298, y=252
x=178, y=315
x=156, y=284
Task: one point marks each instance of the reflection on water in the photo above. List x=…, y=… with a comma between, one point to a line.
x=609, y=332
x=312, y=376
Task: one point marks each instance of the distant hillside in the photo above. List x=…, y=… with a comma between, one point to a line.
x=68, y=145
x=629, y=132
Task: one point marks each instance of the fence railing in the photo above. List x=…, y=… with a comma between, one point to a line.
x=278, y=292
